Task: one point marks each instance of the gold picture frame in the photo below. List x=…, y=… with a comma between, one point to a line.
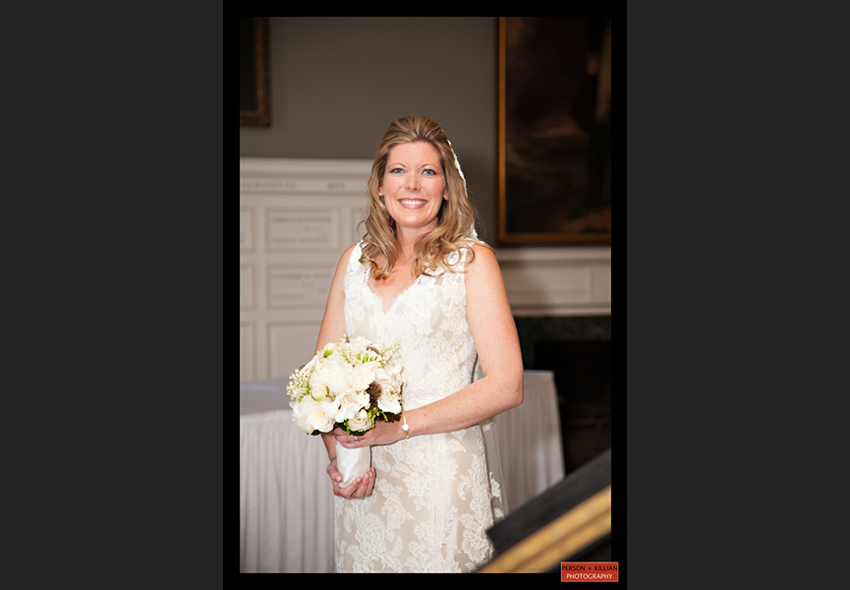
x=554, y=134
x=254, y=97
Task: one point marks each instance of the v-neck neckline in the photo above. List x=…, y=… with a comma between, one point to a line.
x=382, y=304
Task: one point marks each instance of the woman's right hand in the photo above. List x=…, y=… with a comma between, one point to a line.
x=359, y=488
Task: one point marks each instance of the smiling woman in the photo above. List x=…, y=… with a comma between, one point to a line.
x=413, y=188
x=456, y=215
x=421, y=277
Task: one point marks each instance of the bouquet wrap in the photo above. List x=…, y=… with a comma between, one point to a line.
x=349, y=384
x=352, y=463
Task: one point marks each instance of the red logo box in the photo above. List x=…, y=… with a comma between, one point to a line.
x=589, y=571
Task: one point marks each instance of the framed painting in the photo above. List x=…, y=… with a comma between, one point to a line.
x=554, y=130
x=254, y=109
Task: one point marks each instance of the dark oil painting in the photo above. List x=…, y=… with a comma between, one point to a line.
x=554, y=130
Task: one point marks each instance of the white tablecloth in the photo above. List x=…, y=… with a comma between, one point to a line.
x=529, y=441
x=286, y=500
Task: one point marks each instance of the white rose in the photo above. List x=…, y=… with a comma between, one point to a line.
x=389, y=403
x=310, y=415
x=361, y=421
x=351, y=402
x=299, y=416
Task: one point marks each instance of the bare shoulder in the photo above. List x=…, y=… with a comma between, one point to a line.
x=346, y=256
x=485, y=262
x=483, y=276
x=342, y=266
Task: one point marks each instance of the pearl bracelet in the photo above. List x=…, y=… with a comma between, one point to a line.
x=404, y=426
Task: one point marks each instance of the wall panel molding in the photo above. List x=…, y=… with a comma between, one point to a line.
x=556, y=282
x=297, y=217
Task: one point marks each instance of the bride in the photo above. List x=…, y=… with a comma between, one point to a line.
x=421, y=276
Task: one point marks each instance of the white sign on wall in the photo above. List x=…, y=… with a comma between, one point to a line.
x=302, y=230
x=299, y=286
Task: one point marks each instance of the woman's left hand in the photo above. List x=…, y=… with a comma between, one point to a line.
x=384, y=433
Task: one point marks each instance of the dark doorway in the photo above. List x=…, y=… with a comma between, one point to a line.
x=583, y=378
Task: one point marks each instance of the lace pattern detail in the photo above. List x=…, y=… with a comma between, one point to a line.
x=433, y=498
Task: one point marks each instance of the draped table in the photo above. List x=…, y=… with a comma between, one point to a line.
x=286, y=500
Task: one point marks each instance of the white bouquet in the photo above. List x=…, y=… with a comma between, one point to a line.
x=351, y=384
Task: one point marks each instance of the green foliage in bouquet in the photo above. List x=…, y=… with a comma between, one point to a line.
x=351, y=384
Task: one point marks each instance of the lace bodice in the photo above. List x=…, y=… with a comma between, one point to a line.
x=434, y=495
x=428, y=318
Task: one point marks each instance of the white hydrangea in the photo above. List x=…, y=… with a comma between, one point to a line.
x=361, y=376
x=310, y=415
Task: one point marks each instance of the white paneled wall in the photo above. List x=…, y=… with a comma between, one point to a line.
x=297, y=217
x=568, y=281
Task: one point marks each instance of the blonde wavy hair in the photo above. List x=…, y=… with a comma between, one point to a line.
x=456, y=217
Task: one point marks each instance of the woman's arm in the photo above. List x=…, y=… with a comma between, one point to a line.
x=333, y=321
x=331, y=330
x=494, y=331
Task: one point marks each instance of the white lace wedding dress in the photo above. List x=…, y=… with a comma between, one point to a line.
x=434, y=495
